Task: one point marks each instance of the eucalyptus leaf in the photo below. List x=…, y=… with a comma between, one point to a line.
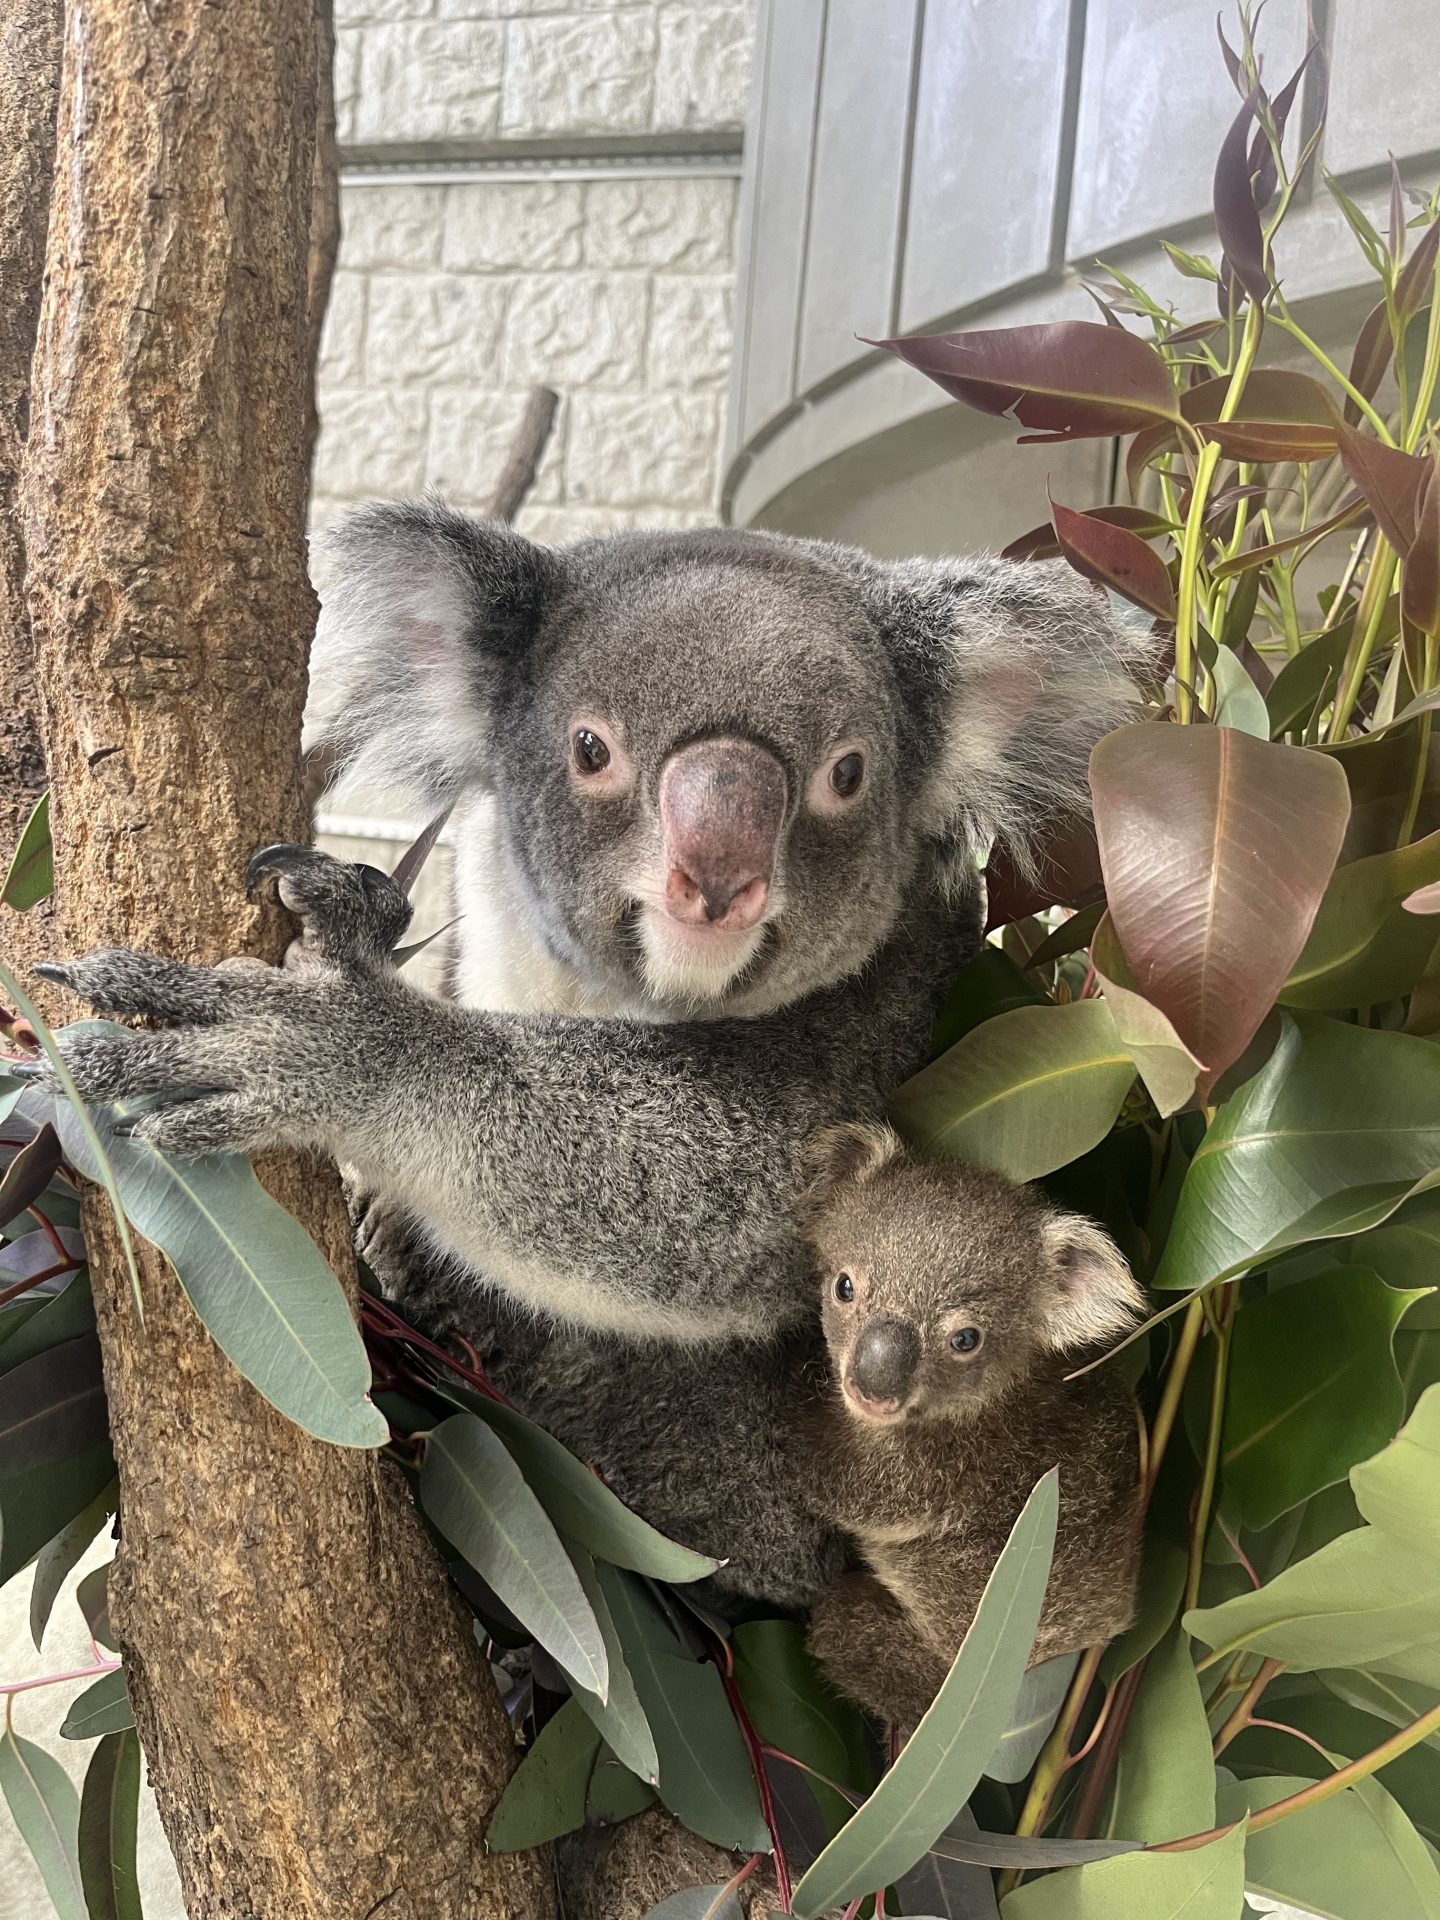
x=1202, y=1883
x=31, y=875
x=1313, y=1388
x=992, y=983
x=109, y=1813
x=46, y=1809
x=1022, y=1094
x=615, y=1792
x=36, y=1504
x=792, y=1708
x=60, y=1318
x=1164, y=1783
x=58, y=1560
x=478, y=1498
x=546, y=1794
x=943, y=1759
x=36, y=1252
x=253, y=1275
x=698, y=1903
x=1037, y=1707
x=53, y=1407
x=104, y=1707
x=1353, y=1857
x=1337, y=1128
x=619, y=1718
x=705, y=1774
x=1398, y=1488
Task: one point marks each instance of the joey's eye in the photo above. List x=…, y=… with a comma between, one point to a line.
x=845, y=1289
x=847, y=774
x=591, y=753
x=965, y=1340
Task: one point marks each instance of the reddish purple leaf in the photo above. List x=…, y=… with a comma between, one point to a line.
x=1197, y=330
x=1216, y=849
x=1270, y=439
x=1237, y=219
x=1040, y=542
x=1420, y=582
x=1113, y=556
x=1415, y=285
x=1397, y=213
x=28, y=1174
x=1390, y=481
x=1273, y=398
x=1262, y=160
x=1067, y=875
x=1373, y=347
x=1353, y=510
x=1072, y=379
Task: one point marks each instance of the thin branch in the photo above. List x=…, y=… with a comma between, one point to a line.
x=1240, y=1717
x=527, y=449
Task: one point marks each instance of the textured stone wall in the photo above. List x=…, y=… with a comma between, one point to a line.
x=451, y=302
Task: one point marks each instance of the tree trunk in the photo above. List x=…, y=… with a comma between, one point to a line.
x=323, y=1737
x=29, y=89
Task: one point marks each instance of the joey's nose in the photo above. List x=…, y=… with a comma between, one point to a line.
x=883, y=1364
x=722, y=805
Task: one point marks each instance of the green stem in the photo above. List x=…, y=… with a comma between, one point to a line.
x=1225, y=1318
x=1240, y=1718
x=1054, y=1756
x=1368, y=616
x=1191, y=1327
x=1322, y=1790
x=1318, y=354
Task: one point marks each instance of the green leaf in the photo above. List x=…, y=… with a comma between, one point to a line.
x=35, y=1504
x=620, y=1718
x=53, y=1407
x=31, y=876
x=991, y=984
x=1239, y=702
x=1161, y=1590
x=46, y=1809
x=1398, y=1489
x=1203, y=1883
x=1304, y=679
x=943, y=1759
x=1194, y=266
x=1364, y=946
x=1037, y=1707
x=478, y=1498
x=1165, y=1771
x=698, y=1903
x=615, y=1792
x=66, y=1316
x=1333, y=1132
x=546, y=1796
x=1397, y=1701
x=92, y=1596
x=1025, y=1093
x=1312, y=1389
x=104, y=1707
x=255, y=1278
x=1216, y=849
x=580, y=1504
x=793, y=1709
x=65, y=1551
x=109, y=1811
x=1164, y=1062
x=1406, y=1252
x=705, y=1774
x=1353, y=1857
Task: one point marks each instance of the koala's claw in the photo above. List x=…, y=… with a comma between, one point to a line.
x=350, y=912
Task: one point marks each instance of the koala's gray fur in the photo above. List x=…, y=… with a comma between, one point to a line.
x=615, y=1147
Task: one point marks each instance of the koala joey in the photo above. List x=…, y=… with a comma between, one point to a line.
x=717, y=802
x=954, y=1304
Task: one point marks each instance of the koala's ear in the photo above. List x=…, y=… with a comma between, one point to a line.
x=1014, y=669
x=1094, y=1297
x=844, y=1156
x=424, y=610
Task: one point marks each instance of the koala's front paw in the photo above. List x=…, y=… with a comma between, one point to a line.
x=348, y=912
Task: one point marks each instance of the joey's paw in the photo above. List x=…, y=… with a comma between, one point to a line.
x=348, y=912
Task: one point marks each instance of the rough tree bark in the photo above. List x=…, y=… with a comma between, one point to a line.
x=29, y=89
x=322, y=1735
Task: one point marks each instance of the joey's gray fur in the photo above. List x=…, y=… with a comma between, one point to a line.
x=604, y=1132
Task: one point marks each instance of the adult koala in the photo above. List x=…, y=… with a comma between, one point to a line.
x=718, y=800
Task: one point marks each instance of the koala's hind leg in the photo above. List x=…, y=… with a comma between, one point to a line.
x=868, y=1649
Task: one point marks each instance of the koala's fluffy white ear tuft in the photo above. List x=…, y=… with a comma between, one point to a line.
x=1031, y=666
x=845, y=1156
x=422, y=607
x=1094, y=1296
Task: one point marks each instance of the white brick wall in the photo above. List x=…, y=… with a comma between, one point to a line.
x=451, y=302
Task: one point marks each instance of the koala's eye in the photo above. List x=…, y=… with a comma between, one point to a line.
x=591, y=753
x=965, y=1340
x=847, y=774
x=844, y=1289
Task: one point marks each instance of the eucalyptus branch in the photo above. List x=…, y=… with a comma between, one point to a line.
x=1240, y=1718
x=1225, y=1320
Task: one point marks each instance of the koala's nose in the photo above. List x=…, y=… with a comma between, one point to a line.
x=722, y=804
x=885, y=1358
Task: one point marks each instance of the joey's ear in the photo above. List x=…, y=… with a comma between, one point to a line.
x=1094, y=1297
x=425, y=610
x=1014, y=670
x=845, y=1156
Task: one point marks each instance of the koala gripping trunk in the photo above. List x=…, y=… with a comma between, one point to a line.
x=321, y=1733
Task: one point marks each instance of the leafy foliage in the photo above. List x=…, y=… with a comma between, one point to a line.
x=1215, y=1027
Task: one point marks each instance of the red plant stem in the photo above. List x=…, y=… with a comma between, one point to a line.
x=48, y=1230
x=1240, y=1717
x=756, y=1750
x=1074, y=1759
x=733, y=1885
x=1279, y=1726
x=57, y=1679
x=36, y=1280
x=852, y=1912
x=1097, y=1778
x=388, y=1325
